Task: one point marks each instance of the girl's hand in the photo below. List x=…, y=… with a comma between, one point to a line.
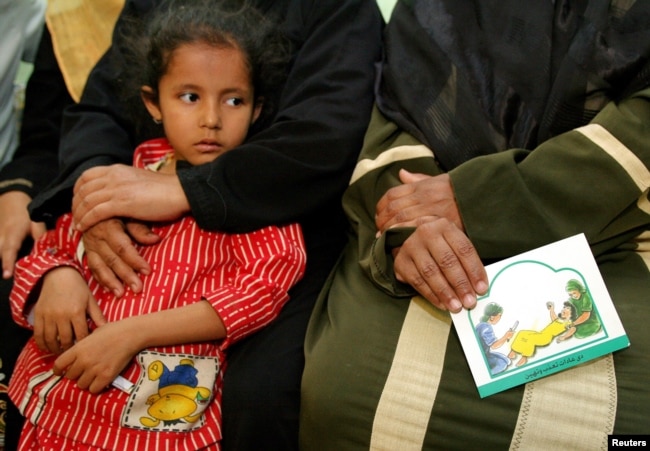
x=62, y=310
x=95, y=361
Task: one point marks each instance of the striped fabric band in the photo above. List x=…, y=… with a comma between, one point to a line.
x=552, y=414
x=395, y=154
x=413, y=379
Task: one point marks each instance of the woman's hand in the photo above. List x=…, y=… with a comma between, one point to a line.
x=438, y=259
x=417, y=200
x=112, y=257
x=117, y=191
x=105, y=193
x=440, y=262
x=15, y=226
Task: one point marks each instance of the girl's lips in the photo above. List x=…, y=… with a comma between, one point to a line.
x=208, y=146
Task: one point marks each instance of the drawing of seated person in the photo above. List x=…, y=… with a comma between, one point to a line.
x=561, y=326
x=497, y=361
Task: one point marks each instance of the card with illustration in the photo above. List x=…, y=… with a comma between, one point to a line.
x=546, y=310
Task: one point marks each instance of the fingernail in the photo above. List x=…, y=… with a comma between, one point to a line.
x=455, y=305
x=469, y=301
x=481, y=287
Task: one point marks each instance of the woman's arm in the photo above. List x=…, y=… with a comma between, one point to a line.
x=35, y=162
x=302, y=159
x=592, y=180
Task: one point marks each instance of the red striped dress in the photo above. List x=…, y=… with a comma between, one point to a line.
x=174, y=403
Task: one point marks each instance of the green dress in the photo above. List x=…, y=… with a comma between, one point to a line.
x=383, y=368
x=592, y=325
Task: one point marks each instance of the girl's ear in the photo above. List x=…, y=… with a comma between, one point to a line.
x=259, y=103
x=150, y=100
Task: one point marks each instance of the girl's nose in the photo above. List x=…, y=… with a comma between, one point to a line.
x=211, y=117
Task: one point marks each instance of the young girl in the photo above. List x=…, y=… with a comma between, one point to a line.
x=149, y=375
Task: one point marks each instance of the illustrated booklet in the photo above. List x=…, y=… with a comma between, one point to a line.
x=546, y=310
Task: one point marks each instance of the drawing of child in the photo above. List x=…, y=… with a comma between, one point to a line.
x=561, y=326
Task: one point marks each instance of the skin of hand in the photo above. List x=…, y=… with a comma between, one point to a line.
x=440, y=262
x=15, y=226
x=501, y=341
x=62, y=309
x=115, y=191
x=419, y=197
x=438, y=259
x=112, y=257
x=107, y=192
x=582, y=318
x=96, y=360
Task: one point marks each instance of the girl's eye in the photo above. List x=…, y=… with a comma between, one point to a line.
x=234, y=101
x=189, y=97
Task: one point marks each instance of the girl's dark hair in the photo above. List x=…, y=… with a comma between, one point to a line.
x=148, y=43
x=574, y=311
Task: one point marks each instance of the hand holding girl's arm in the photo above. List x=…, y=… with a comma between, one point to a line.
x=112, y=257
x=117, y=191
x=105, y=193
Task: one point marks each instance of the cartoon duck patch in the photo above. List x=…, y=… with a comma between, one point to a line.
x=172, y=393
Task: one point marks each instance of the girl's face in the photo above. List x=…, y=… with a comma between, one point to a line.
x=205, y=101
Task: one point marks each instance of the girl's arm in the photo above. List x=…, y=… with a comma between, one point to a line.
x=96, y=360
x=59, y=315
x=189, y=324
x=265, y=265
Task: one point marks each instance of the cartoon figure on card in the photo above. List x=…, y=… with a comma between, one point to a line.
x=587, y=322
x=561, y=326
x=485, y=332
x=179, y=399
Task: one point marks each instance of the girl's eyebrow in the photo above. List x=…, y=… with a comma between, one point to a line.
x=228, y=90
x=186, y=86
x=237, y=90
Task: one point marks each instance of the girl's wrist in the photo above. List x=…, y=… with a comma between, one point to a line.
x=133, y=334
